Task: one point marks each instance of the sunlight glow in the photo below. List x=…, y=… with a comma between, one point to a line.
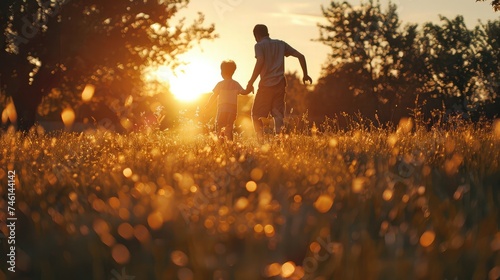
x=88, y=92
x=68, y=117
x=187, y=82
x=9, y=113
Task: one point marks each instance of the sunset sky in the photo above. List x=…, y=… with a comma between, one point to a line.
x=296, y=23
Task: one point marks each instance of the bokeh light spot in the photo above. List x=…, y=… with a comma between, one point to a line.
x=179, y=258
x=427, y=238
x=120, y=254
x=323, y=203
x=287, y=269
x=251, y=186
x=127, y=172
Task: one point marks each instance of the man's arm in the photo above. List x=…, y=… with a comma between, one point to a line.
x=302, y=59
x=303, y=65
x=259, y=63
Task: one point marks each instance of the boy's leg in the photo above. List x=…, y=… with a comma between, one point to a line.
x=221, y=124
x=228, y=132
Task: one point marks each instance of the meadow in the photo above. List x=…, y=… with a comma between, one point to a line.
x=403, y=202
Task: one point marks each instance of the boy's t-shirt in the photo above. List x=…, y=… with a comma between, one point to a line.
x=227, y=91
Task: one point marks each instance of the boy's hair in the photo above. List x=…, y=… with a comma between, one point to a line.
x=228, y=67
x=261, y=30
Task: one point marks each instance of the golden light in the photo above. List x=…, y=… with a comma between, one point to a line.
x=258, y=228
x=496, y=129
x=127, y=172
x=269, y=230
x=68, y=117
x=141, y=233
x=241, y=203
x=427, y=238
x=179, y=258
x=287, y=269
x=272, y=270
x=9, y=113
x=387, y=194
x=256, y=174
x=126, y=231
x=323, y=203
x=88, y=92
x=358, y=185
x=405, y=125
x=128, y=101
x=120, y=254
x=188, y=82
x=155, y=220
x=251, y=186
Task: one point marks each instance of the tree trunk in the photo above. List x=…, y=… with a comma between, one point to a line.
x=26, y=106
x=29, y=97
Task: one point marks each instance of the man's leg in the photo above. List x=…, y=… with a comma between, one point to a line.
x=258, y=127
x=260, y=109
x=278, y=107
x=278, y=123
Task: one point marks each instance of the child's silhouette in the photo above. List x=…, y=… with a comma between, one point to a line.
x=226, y=93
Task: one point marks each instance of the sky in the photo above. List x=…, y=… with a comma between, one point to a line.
x=296, y=23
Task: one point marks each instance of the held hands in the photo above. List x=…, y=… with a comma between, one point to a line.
x=307, y=79
x=249, y=88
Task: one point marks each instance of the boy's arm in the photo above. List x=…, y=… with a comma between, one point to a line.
x=246, y=91
x=211, y=100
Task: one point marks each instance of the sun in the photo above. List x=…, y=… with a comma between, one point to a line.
x=190, y=81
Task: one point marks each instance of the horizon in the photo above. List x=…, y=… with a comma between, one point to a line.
x=237, y=42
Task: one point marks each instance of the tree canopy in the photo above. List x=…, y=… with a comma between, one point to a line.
x=494, y=3
x=55, y=48
x=380, y=67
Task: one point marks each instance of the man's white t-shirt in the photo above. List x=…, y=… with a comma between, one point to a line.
x=273, y=52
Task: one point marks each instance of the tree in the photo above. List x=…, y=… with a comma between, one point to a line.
x=378, y=67
x=297, y=94
x=379, y=57
x=463, y=63
x=67, y=44
x=494, y=3
x=487, y=53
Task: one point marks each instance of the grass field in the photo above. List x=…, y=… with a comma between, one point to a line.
x=365, y=203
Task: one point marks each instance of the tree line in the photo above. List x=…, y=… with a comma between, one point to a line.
x=382, y=69
x=378, y=67
x=50, y=50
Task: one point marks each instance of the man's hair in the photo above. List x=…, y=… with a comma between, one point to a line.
x=260, y=30
x=228, y=67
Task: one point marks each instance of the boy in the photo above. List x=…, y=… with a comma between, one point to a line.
x=226, y=92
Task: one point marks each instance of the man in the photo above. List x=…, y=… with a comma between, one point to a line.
x=270, y=65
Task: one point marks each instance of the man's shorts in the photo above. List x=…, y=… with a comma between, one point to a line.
x=270, y=100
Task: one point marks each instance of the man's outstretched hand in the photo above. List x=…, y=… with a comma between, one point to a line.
x=307, y=79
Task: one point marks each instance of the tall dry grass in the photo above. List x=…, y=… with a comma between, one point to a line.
x=402, y=202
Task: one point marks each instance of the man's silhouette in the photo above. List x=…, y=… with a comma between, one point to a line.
x=270, y=65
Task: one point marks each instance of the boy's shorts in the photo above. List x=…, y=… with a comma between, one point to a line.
x=270, y=100
x=225, y=119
